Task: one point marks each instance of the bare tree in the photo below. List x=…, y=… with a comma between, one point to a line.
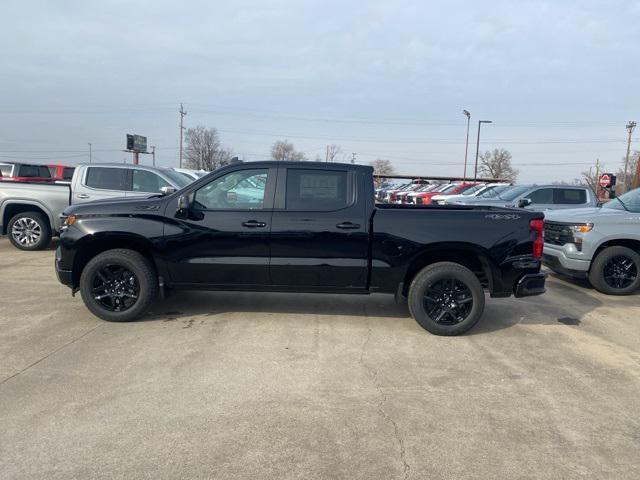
x=497, y=164
x=332, y=152
x=590, y=177
x=382, y=167
x=203, y=149
x=284, y=150
x=624, y=186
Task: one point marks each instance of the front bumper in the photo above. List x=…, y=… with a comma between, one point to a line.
x=64, y=276
x=530, y=284
x=558, y=259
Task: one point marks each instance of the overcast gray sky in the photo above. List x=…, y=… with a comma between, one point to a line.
x=384, y=79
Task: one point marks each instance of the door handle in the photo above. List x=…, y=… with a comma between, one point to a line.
x=348, y=226
x=254, y=224
x=83, y=195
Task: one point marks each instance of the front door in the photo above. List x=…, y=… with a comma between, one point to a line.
x=319, y=233
x=225, y=239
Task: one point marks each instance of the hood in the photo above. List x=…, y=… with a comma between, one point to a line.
x=581, y=215
x=117, y=205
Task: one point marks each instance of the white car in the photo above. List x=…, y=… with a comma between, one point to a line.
x=480, y=190
x=191, y=174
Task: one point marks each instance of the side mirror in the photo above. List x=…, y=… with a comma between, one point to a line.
x=167, y=190
x=524, y=202
x=183, y=207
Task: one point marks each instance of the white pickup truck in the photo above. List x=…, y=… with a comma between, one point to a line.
x=30, y=212
x=601, y=244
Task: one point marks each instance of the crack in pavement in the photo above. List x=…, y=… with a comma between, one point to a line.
x=50, y=354
x=373, y=374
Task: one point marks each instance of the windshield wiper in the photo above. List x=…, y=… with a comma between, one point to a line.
x=622, y=203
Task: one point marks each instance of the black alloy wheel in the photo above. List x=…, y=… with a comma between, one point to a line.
x=620, y=272
x=446, y=298
x=448, y=301
x=115, y=288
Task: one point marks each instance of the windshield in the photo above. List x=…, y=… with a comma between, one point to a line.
x=494, y=191
x=178, y=179
x=467, y=189
x=473, y=190
x=512, y=193
x=631, y=200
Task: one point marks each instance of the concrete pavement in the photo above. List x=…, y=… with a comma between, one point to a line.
x=284, y=386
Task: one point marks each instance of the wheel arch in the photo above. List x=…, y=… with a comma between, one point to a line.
x=474, y=257
x=90, y=247
x=11, y=209
x=631, y=243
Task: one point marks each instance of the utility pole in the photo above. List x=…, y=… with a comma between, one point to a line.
x=353, y=157
x=182, y=114
x=475, y=171
x=153, y=154
x=466, y=145
x=326, y=155
x=631, y=125
x=90, y=153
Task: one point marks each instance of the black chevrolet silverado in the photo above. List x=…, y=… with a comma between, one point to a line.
x=299, y=227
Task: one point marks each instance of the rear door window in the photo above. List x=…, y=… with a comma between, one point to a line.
x=106, y=178
x=320, y=190
x=541, y=196
x=570, y=196
x=34, y=171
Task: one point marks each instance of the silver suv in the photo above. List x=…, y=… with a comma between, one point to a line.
x=538, y=197
x=601, y=244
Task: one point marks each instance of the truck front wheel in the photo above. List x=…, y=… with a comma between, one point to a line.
x=446, y=298
x=118, y=285
x=616, y=271
x=29, y=231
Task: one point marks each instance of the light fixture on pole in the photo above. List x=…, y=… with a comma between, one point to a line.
x=466, y=145
x=475, y=171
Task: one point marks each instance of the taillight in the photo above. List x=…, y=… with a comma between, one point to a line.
x=537, y=226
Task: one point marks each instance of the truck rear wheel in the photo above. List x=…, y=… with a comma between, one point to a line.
x=118, y=285
x=446, y=298
x=29, y=231
x=616, y=271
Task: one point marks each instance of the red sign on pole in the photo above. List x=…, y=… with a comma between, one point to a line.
x=605, y=180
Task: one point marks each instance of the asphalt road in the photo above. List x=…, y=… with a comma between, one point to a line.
x=235, y=385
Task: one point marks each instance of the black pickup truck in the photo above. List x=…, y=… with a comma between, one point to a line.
x=299, y=227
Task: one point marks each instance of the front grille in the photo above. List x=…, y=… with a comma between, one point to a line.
x=557, y=233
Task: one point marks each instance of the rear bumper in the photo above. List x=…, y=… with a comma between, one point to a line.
x=530, y=284
x=64, y=276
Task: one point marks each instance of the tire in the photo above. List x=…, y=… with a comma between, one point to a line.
x=437, y=288
x=108, y=290
x=616, y=271
x=29, y=231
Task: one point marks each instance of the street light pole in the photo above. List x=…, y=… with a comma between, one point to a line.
x=89, y=152
x=475, y=171
x=466, y=145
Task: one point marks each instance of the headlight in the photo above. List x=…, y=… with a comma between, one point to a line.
x=581, y=227
x=441, y=202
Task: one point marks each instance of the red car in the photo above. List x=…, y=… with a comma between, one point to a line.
x=22, y=172
x=450, y=189
x=415, y=185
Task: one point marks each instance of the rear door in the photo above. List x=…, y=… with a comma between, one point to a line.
x=99, y=183
x=319, y=232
